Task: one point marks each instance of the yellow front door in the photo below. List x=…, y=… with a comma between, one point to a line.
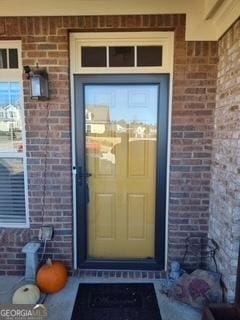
x=121, y=144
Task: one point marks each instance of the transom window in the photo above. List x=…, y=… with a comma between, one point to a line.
x=136, y=52
x=13, y=179
x=9, y=58
x=122, y=56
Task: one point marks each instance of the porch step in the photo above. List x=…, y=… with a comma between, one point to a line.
x=120, y=274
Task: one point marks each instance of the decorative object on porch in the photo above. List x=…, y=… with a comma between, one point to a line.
x=197, y=289
x=175, y=272
x=225, y=311
x=52, y=277
x=204, y=250
x=39, y=82
x=31, y=251
x=116, y=302
x=27, y=294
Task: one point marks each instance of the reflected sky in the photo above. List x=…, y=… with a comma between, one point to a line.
x=132, y=103
x=9, y=93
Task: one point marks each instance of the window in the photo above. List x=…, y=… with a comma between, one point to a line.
x=149, y=56
x=122, y=52
x=13, y=182
x=121, y=56
x=8, y=58
x=93, y=56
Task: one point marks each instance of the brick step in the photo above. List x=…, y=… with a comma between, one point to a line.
x=120, y=274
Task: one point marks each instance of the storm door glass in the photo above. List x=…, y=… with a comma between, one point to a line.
x=121, y=144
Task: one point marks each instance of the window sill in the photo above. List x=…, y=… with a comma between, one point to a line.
x=15, y=225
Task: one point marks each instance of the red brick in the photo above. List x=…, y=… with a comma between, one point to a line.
x=45, y=40
x=2, y=26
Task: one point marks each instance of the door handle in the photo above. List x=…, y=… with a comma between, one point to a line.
x=87, y=175
x=81, y=174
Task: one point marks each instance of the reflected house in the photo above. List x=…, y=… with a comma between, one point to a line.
x=10, y=118
x=139, y=132
x=118, y=128
x=152, y=130
x=97, y=119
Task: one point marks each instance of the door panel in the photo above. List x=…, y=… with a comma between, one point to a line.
x=121, y=135
x=136, y=216
x=121, y=140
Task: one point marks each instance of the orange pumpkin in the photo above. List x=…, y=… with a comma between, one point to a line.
x=52, y=277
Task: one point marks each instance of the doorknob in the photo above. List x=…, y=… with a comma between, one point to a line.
x=87, y=175
x=81, y=174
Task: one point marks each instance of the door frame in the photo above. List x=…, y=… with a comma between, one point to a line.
x=162, y=80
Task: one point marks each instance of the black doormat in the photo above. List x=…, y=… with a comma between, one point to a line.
x=116, y=302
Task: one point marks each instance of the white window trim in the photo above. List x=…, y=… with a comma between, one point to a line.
x=156, y=38
x=166, y=40
x=15, y=75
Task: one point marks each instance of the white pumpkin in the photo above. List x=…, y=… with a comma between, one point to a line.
x=27, y=294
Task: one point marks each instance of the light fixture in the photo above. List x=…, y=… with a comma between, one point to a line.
x=38, y=81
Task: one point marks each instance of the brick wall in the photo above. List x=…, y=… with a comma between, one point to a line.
x=45, y=41
x=225, y=189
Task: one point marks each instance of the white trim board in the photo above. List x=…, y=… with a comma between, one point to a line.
x=166, y=40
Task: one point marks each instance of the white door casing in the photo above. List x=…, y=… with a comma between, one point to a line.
x=77, y=40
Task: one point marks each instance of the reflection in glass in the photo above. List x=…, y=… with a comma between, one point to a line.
x=10, y=117
x=113, y=112
x=121, y=56
x=121, y=135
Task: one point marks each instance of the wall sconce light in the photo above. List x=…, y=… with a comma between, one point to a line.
x=38, y=81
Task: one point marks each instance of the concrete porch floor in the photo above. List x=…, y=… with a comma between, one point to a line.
x=60, y=305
